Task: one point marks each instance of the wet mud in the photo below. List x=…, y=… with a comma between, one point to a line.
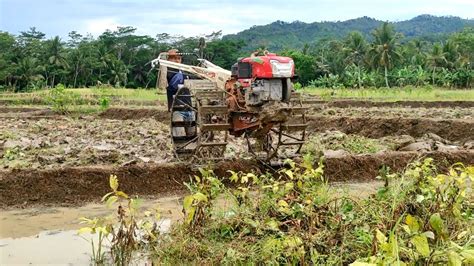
x=377, y=127
x=76, y=185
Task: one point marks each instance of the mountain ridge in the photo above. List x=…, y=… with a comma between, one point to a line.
x=279, y=35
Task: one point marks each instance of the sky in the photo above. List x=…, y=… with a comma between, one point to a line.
x=195, y=18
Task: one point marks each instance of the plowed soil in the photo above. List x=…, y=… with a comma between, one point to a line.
x=25, y=112
x=60, y=160
x=419, y=113
x=377, y=127
x=411, y=104
x=4, y=110
x=374, y=127
x=127, y=113
x=401, y=112
x=75, y=185
x=69, y=142
x=66, y=142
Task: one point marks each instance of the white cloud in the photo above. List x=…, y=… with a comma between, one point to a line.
x=204, y=20
x=98, y=26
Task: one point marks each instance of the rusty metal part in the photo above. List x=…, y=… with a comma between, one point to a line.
x=202, y=133
x=281, y=139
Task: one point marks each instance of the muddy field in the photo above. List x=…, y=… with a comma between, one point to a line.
x=398, y=112
x=62, y=141
x=345, y=103
x=463, y=112
x=66, y=141
x=47, y=158
x=75, y=185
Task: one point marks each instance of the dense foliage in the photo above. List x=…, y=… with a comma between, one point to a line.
x=387, y=61
x=121, y=58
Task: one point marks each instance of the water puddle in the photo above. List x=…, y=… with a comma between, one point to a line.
x=27, y=222
x=48, y=235
x=50, y=247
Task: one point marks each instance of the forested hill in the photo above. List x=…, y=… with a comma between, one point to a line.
x=280, y=35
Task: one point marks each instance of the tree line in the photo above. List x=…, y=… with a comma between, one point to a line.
x=121, y=58
x=386, y=60
x=118, y=58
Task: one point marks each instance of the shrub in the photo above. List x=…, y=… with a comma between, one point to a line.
x=61, y=100
x=292, y=216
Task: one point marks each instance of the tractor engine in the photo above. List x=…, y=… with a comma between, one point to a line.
x=259, y=93
x=264, y=79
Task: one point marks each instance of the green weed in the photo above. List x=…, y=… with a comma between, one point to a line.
x=61, y=101
x=125, y=234
x=420, y=217
x=339, y=141
x=292, y=218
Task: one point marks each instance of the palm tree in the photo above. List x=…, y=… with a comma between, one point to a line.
x=415, y=52
x=77, y=58
x=56, y=56
x=29, y=70
x=451, y=53
x=104, y=59
x=437, y=58
x=383, y=52
x=335, y=59
x=119, y=72
x=355, y=48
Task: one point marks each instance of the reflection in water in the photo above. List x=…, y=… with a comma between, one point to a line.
x=46, y=235
x=52, y=247
x=28, y=222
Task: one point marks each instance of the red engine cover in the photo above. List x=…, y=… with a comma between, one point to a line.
x=262, y=66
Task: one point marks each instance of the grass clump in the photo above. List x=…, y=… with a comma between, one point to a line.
x=81, y=98
x=336, y=140
x=408, y=93
x=61, y=101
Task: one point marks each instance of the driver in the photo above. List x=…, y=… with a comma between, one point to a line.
x=174, y=77
x=175, y=82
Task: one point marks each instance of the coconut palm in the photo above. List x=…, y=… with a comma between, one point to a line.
x=119, y=72
x=77, y=58
x=355, y=48
x=103, y=60
x=451, y=53
x=384, y=49
x=437, y=58
x=57, y=58
x=28, y=71
x=414, y=52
